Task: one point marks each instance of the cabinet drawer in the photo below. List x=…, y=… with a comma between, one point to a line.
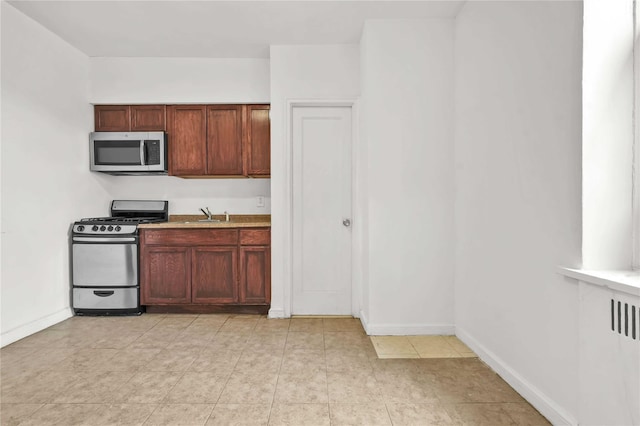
x=201, y=237
x=255, y=237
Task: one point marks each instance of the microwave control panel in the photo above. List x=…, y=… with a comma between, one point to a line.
x=153, y=152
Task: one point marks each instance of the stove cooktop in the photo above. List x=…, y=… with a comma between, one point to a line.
x=105, y=226
x=120, y=220
x=125, y=217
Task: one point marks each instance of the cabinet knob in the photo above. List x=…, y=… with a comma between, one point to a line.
x=346, y=222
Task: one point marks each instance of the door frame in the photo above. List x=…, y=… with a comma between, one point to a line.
x=357, y=204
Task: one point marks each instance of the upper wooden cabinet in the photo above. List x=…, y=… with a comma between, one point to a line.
x=112, y=118
x=187, y=132
x=224, y=140
x=148, y=118
x=204, y=140
x=219, y=140
x=129, y=118
x=257, y=140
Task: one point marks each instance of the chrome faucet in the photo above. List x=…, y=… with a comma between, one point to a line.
x=207, y=213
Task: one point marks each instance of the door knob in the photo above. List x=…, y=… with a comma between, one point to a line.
x=346, y=222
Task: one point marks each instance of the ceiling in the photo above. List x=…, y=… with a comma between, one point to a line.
x=219, y=29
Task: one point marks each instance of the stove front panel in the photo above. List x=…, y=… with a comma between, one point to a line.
x=105, y=265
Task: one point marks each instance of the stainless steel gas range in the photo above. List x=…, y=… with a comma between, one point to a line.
x=105, y=258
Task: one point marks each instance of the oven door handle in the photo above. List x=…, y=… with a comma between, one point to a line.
x=105, y=239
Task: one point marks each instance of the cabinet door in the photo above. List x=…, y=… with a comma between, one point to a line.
x=257, y=140
x=187, y=132
x=255, y=274
x=214, y=274
x=166, y=275
x=112, y=118
x=148, y=118
x=224, y=140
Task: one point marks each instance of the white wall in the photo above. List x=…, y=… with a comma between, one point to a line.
x=187, y=196
x=184, y=80
x=179, y=80
x=299, y=73
x=407, y=110
x=46, y=184
x=608, y=134
x=518, y=186
x=609, y=361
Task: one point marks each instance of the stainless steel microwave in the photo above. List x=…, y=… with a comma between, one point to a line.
x=132, y=153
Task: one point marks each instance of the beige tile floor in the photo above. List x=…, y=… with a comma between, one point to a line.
x=421, y=347
x=240, y=370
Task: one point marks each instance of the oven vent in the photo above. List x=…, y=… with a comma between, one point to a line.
x=625, y=319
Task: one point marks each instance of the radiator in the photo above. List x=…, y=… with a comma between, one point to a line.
x=625, y=319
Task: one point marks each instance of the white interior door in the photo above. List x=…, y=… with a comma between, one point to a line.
x=321, y=144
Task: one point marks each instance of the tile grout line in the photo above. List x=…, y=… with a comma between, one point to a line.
x=414, y=348
x=185, y=372
x=386, y=407
x=163, y=401
x=226, y=382
x=326, y=371
x=275, y=389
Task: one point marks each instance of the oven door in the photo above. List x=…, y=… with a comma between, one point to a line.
x=105, y=261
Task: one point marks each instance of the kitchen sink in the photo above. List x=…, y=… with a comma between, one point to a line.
x=201, y=221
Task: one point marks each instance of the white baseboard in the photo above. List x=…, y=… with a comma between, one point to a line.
x=276, y=313
x=405, y=329
x=545, y=405
x=364, y=322
x=32, y=327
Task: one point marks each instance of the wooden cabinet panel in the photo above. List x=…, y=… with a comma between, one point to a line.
x=214, y=275
x=255, y=237
x=193, y=237
x=204, y=140
x=205, y=268
x=148, y=118
x=257, y=140
x=112, y=118
x=187, y=132
x=255, y=274
x=166, y=275
x=224, y=140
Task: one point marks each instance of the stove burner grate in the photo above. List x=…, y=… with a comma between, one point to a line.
x=131, y=220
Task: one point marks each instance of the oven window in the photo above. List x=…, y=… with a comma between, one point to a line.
x=115, y=153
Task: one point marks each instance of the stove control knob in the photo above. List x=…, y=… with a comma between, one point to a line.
x=102, y=228
x=80, y=228
x=110, y=228
x=118, y=228
x=94, y=228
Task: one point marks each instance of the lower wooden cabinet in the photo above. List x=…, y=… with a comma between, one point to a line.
x=213, y=278
x=255, y=274
x=195, y=268
x=169, y=269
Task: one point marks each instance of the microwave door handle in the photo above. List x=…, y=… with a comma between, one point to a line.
x=143, y=153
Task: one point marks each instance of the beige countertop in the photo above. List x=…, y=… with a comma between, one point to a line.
x=193, y=221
